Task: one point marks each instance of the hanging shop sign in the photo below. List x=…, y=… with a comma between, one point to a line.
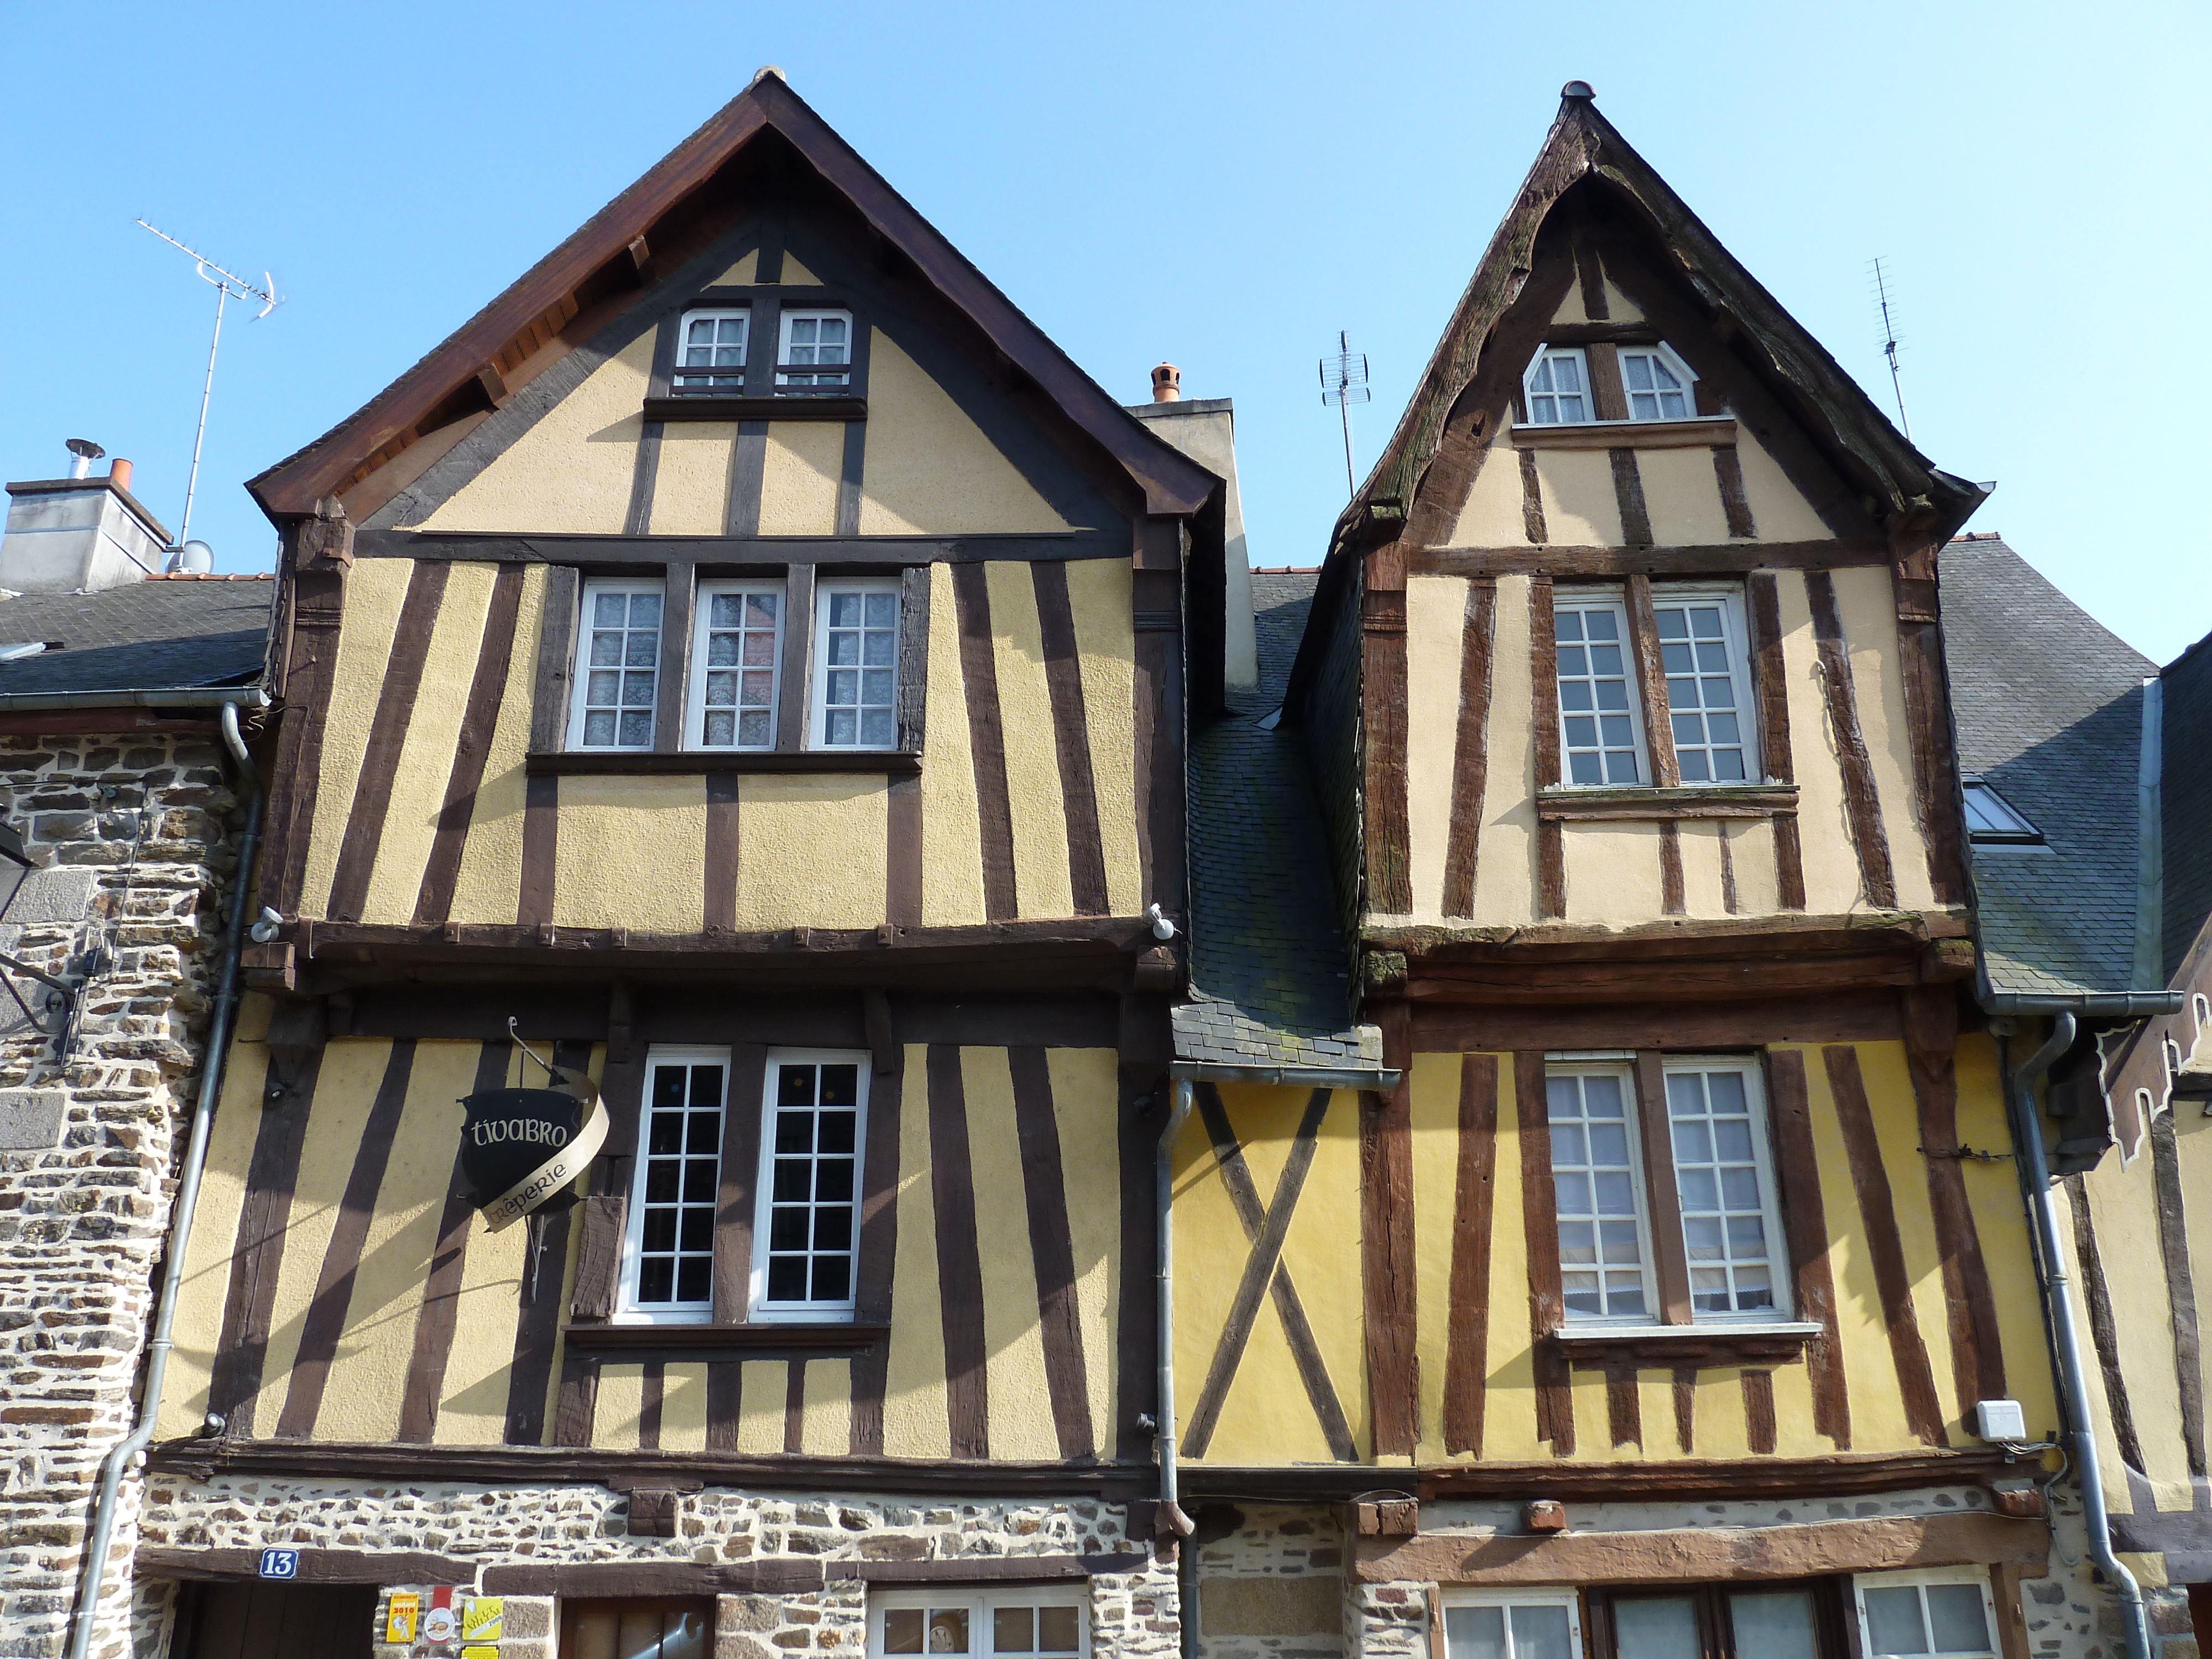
x=520, y=1147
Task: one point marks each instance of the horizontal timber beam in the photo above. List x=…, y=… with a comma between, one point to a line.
x=1500, y=1028
x=1721, y=559
x=756, y=552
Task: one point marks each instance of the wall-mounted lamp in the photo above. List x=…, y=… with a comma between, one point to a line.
x=265, y=929
x=1163, y=929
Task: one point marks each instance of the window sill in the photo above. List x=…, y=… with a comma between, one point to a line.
x=1685, y=1344
x=639, y=763
x=789, y=406
x=1704, y=432
x=1652, y=805
x=692, y=1342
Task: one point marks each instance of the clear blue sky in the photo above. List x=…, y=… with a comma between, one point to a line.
x=1224, y=186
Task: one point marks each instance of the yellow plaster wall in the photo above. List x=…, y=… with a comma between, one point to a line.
x=629, y=852
x=1613, y=873
x=915, y=1423
x=691, y=481
x=1682, y=495
x=473, y=1409
x=1782, y=513
x=488, y=886
x=683, y=1408
x=1868, y=605
x=375, y=590
x=1831, y=868
x=425, y=757
x=1085, y=1094
x=1509, y=1410
x=1492, y=516
x=1036, y=798
x=1704, y=890
x=1758, y=878
x=740, y=275
x=1580, y=507
x=2123, y=1208
x=1505, y=869
x=1570, y=308
x=571, y=469
x=796, y=275
x=826, y=1411
x=762, y=1387
x=1098, y=593
x=784, y=822
x=1436, y=629
x=930, y=469
x=1435, y=1081
x=798, y=481
x=1021, y=1421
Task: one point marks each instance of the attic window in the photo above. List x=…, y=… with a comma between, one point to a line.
x=1558, y=387
x=712, y=340
x=1991, y=818
x=1657, y=383
x=818, y=351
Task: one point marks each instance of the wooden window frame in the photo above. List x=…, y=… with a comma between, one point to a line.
x=737, y=371
x=817, y=684
x=1831, y=1614
x=785, y=386
x=1529, y=394
x=1642, y=1182
x=628, y=1311
x=1672, y=361
x=1620, y=601
x=759, y=1311
x=980, y=1602
x=1921, y=1578
x=580, y=676
x=764, y=396
x=1645, y=597
x=1534, y=1597
x=695, y=710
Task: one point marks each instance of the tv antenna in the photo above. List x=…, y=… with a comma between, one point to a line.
x=1889, y=341
x=227, y=287
x=1344, y=383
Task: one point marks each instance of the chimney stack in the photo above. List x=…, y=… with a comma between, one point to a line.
x=79, y=534
x=1167, y=384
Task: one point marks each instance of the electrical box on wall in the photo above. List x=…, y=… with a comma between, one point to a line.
x=2001, y=1420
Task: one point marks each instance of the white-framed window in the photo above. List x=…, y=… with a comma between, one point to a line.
x=1597, y=1181
x=710, y=351
x=1702, y=652
x=1992, y=817
x=806, y=1229
x=1720, y=1167
x=618, y=665
x=817, y=351
x=1657, y=383
x=856, y=664
x=1520, y=1623
x=1600, y=731
x=675, y=1188
x=736, y=653
x=1038, y=1623
x=1558, y=387
x=1947, y=1614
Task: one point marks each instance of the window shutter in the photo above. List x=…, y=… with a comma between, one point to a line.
x=549, y=708
x=599, y=1256
x=912, y=657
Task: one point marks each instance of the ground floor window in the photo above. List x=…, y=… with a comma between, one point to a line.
x=1798, y=1619
x=1944, y=1614
x=1518, y=1624
x=660, y=1628
x=1047, y=1622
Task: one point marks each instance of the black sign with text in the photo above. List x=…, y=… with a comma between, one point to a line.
x=511, y=1133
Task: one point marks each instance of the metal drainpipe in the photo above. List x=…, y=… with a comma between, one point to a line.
x=2027, y=1131
x=130, y=1451
x=1164, y=1249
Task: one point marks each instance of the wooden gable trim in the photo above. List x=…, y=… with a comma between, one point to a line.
x=598, y=261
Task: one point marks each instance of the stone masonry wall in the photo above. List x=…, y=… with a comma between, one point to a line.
x=131, y=838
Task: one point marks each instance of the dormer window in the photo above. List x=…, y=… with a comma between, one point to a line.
x=713, y=341
x=818, y=351
x=1991, y=818
x=1657, y=385
x=1558, y=387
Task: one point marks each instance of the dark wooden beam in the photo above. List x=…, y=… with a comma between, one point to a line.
x=1733, y=558
x=767, y=552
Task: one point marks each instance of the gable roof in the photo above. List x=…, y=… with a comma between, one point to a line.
x=606, y=257
x=164, y=634
x=1583, y=146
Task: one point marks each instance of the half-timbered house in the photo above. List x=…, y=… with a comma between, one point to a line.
x=743, y=667
x=1689, y=1312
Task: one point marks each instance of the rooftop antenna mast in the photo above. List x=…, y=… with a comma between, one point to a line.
x=227, y=288
x=1889, y=342
x=1344, y=383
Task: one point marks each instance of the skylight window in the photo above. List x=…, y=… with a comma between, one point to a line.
x=1992, y=817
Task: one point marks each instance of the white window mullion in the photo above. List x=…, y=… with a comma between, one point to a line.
x=675, y=1188
x=1556, y=386
x=736, y=656
x=1601, y=733
x=856, y=664
x=1702, y=654
x=710, y=351
x=617, y=674
x=807, y=1223
x=1521, y=1623
x=1597, y=1183
x=1944, y=1613
x=1724, y=1180
x=1032, y=1623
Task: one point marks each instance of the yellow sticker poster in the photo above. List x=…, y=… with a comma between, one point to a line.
x=400, y=1614
x=479, y=1653
x=484, y=1616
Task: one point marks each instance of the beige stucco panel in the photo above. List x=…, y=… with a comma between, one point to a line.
x=488, y=887
x=930, y=469
x=1682, y=494
x=1506, y=856
x=1036, y=798
x=570, y=472
x=1085, y=1092
x=786, y=875
x=426, y=757
x=1570, y=308
x=1868, y=606
x=1757, y=879
x=691, y=487
x=1622, y=309
x=952, y=832
x=740, y=275
x=2123, y=1208
x=1613, y=873
x=1021, y=1420
x=799, y=481
x=1832, y=867
x=1435, y=613
x=797, y=276
x=631, y=852
x=1098, y=594
x=1580, y=507
x=1704, y=890
x=1492, y=516
x=915, y=1423
x=1782, y=513
x=376, y=590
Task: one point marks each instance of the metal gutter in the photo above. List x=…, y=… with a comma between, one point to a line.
x=1309, y=1077
x=198, y=697
x=2117, y=1004
x=131, y=1452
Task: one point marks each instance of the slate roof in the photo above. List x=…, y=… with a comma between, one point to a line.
x=1268, y=966
x=161, y=634
x=2049, y=709
x=2187, y=799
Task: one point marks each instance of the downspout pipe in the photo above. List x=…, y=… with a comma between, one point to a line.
x=2028, y=1137
x=1171, y=1515
x=130, y=1451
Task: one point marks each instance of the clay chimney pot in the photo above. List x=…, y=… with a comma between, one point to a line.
x=119, y=474
x=1167, y=384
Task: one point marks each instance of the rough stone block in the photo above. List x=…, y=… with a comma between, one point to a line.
x=30, y=1119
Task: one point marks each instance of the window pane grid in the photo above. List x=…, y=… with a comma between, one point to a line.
x=1940, y=1620
x=1724, y=1228
x=680, y=1187
x=812, y=342
x=741, y=630
x=1655, y=392
x=712, y=340
x=1594, y=1182
x=1557, y=389
x=860, y=669
x=982, y=1627
x=1500, y=1630
x=621, y=651
x=1597, y=725
x=1698, y=658
x=813, y=1184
